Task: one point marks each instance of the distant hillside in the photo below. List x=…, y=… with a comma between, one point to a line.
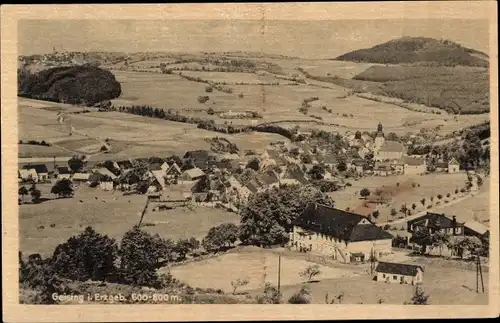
x=83, y=84
x=418, y=49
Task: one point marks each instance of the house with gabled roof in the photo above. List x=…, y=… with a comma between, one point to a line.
x=28, y=175
x=337, y=234
x=436, y=222
x=42, y=172
x=171, y=171
x=62, y=173
x=294, y=176
x=414, y=166
x=397, y=273
x=390, y=150
x=158, y=179
x=104, y=172
x=235, y=191
x=453, y=166
x=192, y=174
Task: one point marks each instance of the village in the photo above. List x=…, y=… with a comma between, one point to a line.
x=368, y=227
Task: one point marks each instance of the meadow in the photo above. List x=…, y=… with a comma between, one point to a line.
x=43, y=226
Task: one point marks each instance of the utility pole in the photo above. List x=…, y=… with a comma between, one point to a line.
x=279, y=272
x=479, y=273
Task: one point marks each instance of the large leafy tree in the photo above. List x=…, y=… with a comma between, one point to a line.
x=141, y=254
x=223, y=235
x=88, y=255
x=268, y=215
x=63, y=188
x=76, y=163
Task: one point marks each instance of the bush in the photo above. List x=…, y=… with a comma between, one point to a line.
x=209, y=89
x=104, y=148
x=203, y=99
x=240, y=95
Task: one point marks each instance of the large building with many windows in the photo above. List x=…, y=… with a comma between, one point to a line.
x=339, y=235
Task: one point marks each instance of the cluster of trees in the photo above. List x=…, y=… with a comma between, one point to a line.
x=63, y=188
x=93, y=256
x=438, y=240
x=267, y=217
x=33, y=191
x=35, y=142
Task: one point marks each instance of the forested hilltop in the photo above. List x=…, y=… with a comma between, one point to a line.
x=82, y=84
x=418, y=49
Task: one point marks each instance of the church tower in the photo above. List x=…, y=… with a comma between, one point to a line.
x=380, y=137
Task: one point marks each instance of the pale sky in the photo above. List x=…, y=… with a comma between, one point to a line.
x=312, y=39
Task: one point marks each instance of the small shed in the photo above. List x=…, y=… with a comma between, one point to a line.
x=398, y=273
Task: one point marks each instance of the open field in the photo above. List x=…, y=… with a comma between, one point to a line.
x=116, y=215
x=40, y=151
x=444, y=285
x=430, y=185
x=257, y=266
x=130, y=136
x=280, y=102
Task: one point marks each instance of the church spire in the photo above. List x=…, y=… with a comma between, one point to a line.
x=379, y=127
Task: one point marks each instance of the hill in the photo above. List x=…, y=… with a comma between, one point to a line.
x=416, y=50
x=83, y=84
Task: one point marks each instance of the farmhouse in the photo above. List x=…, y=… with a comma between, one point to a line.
x=124, y=165
x=476, y=229
x=192, y=174
x=63, y=173
x=235, y=191
x=399, y=273
x=453, y=166
x=172, y=171
x=28, y=175
x=382, y=169
x=435, y=222
x=80, y=177
x=104, y=172
x=338, y=234
x=414, y=166
x=42, y=172
x=199, y=157
x=294, y=176
x=158, y=179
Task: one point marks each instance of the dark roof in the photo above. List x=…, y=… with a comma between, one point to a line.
x=269, y=177
x=197, y=155
x=339, y=224
x=155, y=166
x=398, y=269
x=413, y=161
x=63, y=170
x=392, y=146
x=435, y=220
x=441, y=165
x=359, y=162
x=252, y=186
x=40, y=168
x=367, y=232
x=453, y=161
x=124, y=164
x=297, y=174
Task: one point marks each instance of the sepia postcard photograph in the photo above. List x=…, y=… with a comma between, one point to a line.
x=205, y=161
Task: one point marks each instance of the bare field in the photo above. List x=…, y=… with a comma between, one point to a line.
x=233, y=78
x=258, y=267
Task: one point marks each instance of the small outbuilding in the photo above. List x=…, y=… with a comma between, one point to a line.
x=390, y=272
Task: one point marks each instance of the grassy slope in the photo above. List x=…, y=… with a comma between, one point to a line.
x=436, y=73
